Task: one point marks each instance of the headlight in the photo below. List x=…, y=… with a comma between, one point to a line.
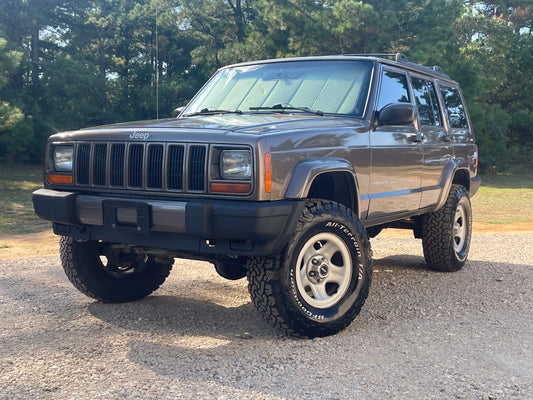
x=63, y=158
x=236, y=164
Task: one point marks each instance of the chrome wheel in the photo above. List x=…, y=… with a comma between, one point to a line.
x=324, y=270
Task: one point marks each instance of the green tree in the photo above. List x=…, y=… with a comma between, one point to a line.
x=498, y=41
x=15, y=132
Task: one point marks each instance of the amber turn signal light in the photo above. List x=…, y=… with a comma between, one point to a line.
x=231, y=187
x=56, y=179
x=268, y=174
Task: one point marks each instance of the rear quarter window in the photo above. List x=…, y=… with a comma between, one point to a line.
x=455, y=109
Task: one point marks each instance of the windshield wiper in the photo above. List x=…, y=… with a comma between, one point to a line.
x=211, y=111
x=287, y=107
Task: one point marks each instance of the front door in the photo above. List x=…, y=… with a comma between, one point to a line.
x=397, y=156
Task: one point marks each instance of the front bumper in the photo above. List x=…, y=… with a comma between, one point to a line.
x=191, y=226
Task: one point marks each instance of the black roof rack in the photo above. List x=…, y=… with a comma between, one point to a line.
x=402, y=58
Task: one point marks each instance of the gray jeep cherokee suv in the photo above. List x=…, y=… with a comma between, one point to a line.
x=277, y=170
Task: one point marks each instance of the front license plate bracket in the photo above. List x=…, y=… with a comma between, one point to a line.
x=142, y=215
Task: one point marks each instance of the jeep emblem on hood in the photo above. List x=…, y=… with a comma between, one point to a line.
x=139, y=135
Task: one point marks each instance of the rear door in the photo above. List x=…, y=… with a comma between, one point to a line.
x=437, y=146
x=459, y=125
x=396, y=155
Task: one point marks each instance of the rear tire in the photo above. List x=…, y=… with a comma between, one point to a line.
x=106, y=280
x=447, y=233
x=318, y=284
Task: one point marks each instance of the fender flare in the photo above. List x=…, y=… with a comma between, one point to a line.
x=307, y=170
x=447, y=179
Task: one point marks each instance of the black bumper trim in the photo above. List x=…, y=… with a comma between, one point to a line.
x=210, y=226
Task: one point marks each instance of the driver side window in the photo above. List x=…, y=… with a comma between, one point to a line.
x=394, y=89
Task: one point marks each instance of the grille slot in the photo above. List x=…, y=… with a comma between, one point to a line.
x=135, y=166
x=155, y=166
x=82, y=163
x=99, y=164
x=174, y=167
x=117, y=164
x=197, y=168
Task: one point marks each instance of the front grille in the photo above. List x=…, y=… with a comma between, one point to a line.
x=142, y=166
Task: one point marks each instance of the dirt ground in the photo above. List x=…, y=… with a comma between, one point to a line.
x=13, y=247
x=421, y=334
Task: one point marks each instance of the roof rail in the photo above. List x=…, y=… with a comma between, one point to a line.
x=399, y=57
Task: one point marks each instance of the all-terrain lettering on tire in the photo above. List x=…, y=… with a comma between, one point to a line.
x=319, y=283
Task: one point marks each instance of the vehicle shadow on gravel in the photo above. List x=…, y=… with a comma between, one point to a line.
x=172, y=314
x=176, y=315
x=404, y=261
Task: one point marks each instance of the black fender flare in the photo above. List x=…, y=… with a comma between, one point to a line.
x=307, y=170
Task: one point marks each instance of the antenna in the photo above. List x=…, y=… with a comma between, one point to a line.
x=156, y=64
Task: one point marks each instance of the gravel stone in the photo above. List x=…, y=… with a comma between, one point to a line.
x=421, y=335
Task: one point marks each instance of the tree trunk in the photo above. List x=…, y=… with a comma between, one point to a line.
x=14, y=32
x=35, y=53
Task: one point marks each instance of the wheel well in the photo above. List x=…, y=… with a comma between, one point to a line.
x=335, y=186
x=462, y=177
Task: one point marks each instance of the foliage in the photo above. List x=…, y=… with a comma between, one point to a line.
x=67, y=64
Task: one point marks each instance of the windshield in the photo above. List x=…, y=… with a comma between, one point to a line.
x=320, y=86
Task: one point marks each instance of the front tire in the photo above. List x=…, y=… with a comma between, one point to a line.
x=95, y=271
x=318, y=284
x=447, y=233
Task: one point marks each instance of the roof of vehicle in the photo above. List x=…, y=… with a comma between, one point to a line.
x=397, y=59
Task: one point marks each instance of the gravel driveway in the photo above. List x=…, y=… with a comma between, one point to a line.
x=421, y=335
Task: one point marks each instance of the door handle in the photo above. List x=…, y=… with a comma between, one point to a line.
x=416, y=138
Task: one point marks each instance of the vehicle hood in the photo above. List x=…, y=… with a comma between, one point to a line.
x=202, y=128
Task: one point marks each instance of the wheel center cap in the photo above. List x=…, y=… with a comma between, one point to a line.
x=318, y=269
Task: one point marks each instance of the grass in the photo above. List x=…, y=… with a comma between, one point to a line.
x=16, y=209
x=502, y=199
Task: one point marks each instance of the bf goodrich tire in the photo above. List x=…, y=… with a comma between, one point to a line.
x=102, y=279
x=318, y=284
x=447, y=233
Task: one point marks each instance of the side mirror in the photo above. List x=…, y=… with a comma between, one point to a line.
x=177, y=111
x=397, y=114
